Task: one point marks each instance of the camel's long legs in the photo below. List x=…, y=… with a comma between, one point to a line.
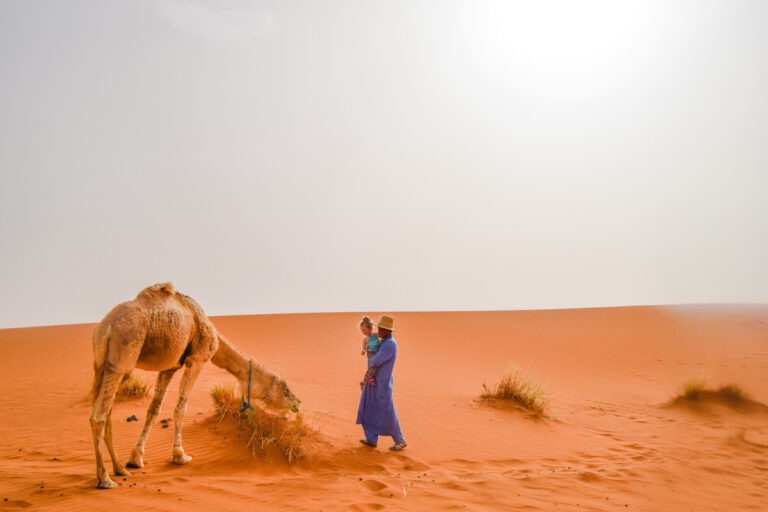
x=117, y=468
x=187, y=381
x=136, y=459
x=103, y=406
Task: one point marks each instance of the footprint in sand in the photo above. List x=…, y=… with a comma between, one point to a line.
x=360, y=507
x=590, y=476
x=411, y=465
x=374, y=486
x=17, y=504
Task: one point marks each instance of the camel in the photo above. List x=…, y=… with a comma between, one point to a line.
x=162, y=330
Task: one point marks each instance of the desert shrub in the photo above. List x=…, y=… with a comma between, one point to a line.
x=222, y=398
x=696, y=395
x=264, y=430
x=132, y=388
x=694, y=386
x=734, y=394
x=518, y=387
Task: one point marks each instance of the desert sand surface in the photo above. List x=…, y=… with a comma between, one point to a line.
x=608, y=442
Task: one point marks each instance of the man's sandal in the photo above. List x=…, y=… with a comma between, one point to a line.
x=398, y=446
x=368, y=443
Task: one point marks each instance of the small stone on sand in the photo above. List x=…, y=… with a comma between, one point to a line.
x=132, y=417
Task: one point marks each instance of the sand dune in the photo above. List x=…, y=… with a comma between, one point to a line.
x=609, y=442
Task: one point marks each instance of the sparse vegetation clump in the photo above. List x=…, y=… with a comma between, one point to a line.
x=519, y=388
x=265, y=431
x=697, y=396
x=222, y=397
x=734, y=394
x=693, y=386
x=132, y=388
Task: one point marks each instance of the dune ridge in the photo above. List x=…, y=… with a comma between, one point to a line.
x=606, y=444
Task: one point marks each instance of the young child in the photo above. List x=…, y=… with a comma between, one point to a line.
x=370, y=341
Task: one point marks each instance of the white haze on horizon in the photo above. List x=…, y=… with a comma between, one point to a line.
x=381, y=156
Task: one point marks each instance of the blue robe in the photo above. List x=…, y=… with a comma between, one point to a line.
x=377, y=409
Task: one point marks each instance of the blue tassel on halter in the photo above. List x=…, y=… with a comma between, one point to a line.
x=247, y=403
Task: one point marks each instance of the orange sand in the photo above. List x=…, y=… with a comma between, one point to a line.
x=608, y=446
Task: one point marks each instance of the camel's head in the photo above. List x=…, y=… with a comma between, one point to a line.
x=277, y=394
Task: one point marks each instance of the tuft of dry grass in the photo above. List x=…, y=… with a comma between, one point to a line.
x=518, y=387
x=222, y=398
x=694, y=386
x=696, y=395
x=265, y=431
x=734, y=394
x=132, y=388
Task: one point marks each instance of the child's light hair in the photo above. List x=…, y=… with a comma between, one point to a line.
x=366, y=321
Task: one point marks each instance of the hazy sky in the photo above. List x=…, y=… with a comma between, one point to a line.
x=364, y=155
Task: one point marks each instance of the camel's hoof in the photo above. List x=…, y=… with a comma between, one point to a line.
x=181, y=459
x=121, y=471
x=107, y=484
x=135, y=465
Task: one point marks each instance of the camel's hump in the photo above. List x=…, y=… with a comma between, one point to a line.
x=160, y=288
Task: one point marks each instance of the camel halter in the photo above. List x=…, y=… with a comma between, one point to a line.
x=247, y=403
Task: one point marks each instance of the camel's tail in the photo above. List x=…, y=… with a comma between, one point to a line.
x=100, y=341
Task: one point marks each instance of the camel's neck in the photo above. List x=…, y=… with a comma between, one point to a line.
x=232, y=360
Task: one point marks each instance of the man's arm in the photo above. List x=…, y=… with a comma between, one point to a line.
x=383, y=355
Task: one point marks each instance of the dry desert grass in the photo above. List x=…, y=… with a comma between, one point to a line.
x=265, y=431
x=519, y=388
x=132, y=388
x=695, y=395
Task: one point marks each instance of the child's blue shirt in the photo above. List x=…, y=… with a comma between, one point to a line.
x=373, y=343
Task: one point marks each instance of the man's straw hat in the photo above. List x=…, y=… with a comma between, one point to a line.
x=387, y=323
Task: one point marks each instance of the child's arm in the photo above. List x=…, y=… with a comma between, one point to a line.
x=365, y=346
